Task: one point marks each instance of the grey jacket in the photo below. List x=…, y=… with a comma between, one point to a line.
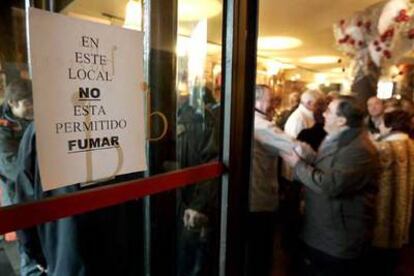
x=263, y=195
x=340, y=194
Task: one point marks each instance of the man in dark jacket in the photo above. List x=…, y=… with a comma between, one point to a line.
x=375, y=107
x=197, y=143
x=79, y=245
x=58, y=240
x=339, y=191
x=15, y=115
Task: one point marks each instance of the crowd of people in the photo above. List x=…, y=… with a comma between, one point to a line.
x=338, y=175
x=332, y=178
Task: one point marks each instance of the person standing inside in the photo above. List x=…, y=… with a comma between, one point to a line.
x=395, y=197
x=263, y=194
x=315, y=134
x=15, y=116
x=292, y=206
x=302, y=117
x=293, y=101
x=375, y=108
x=198, y=204
x=340, y=183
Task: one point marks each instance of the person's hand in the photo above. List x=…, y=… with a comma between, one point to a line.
x=291, y=158
x=302, y=149
x=193, y=218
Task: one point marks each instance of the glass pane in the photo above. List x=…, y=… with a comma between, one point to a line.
x=182, y=63
x=198, y=229
x=14, y=77
x=103, y=242
x=13, y=65
x=198, y=81
x=192, y=212
x=182, y=69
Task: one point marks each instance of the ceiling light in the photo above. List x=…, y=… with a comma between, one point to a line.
x=278, y=42
x=337, y=70
x=320, y=60
x=273, y=66
x=192, y=10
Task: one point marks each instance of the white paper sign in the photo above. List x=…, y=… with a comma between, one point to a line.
x=89, y=110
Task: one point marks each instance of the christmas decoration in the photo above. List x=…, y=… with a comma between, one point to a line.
x=381, y=34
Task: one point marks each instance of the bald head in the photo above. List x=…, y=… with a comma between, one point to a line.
x=309, y=98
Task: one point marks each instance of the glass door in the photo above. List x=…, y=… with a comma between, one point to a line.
x=178, y=229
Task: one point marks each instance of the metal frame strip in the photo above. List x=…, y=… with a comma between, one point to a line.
x=29, y=214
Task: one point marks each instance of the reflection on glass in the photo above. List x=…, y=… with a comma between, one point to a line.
x=16, y=112
x=82, y=241
x=196, y=137
x=198, y=124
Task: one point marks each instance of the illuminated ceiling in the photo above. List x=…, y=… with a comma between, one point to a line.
x=308, y=21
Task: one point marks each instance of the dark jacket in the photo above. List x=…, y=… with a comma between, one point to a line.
x=313, y=136
x=340, y=194
x=58, y=239
x=372, y=128
x=198, y=143
x=102, y=242
x=11, y=132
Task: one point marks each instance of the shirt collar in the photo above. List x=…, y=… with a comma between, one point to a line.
x=260, y=114
x=308, y=113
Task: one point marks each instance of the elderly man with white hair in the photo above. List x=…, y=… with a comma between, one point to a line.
x=302, y=117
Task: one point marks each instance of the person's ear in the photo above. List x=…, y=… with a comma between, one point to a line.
x=341, y=121
x=12, y=103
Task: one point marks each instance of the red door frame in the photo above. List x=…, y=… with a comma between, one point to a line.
x=29, y=214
